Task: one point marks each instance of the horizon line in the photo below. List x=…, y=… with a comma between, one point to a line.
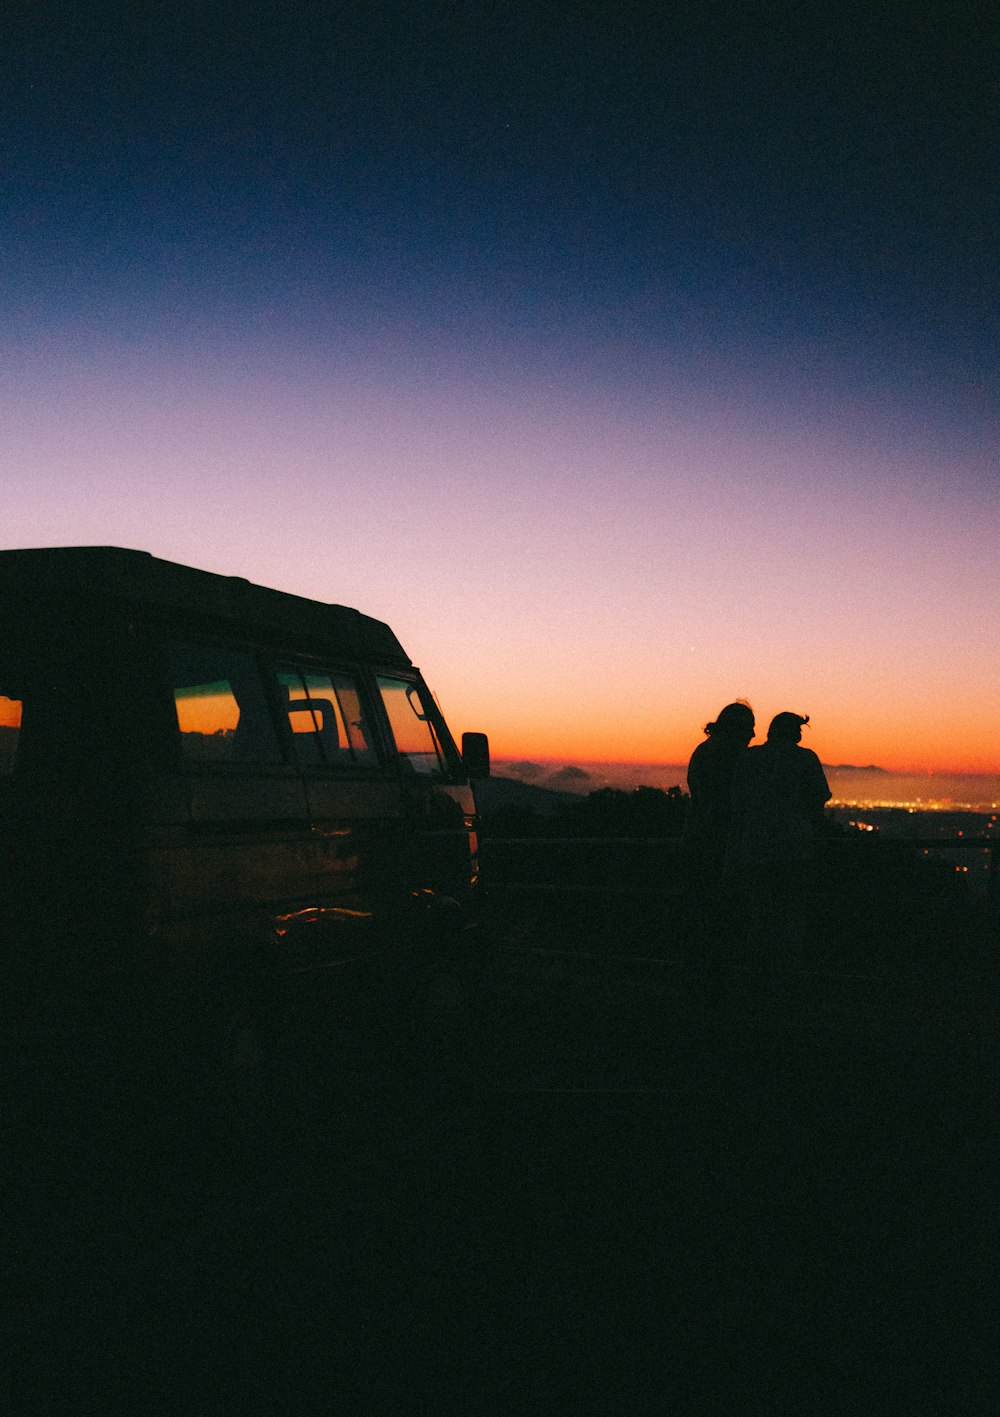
x=669, y=763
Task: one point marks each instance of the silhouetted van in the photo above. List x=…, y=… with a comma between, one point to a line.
x=225, y=813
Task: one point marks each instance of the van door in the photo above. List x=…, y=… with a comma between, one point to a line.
x=244, y=860
x=439, y=860
x=353, y=804
x=343, y=950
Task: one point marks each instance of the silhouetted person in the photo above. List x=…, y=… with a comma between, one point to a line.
x=779, y=791
x=710, y=784
x=706, y=832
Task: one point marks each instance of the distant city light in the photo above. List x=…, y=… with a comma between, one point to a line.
x=872, y=804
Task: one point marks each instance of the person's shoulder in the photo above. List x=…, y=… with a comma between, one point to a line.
x=809, y=762
x=699, y=755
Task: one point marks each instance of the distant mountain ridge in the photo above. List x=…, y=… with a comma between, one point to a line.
x=589, y=776
x=498, y=792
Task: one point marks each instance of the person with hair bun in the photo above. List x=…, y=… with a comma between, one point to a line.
x=710, y=774
x=710, y=783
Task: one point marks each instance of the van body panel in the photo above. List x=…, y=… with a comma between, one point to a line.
x=177, y=808
x=246, y=801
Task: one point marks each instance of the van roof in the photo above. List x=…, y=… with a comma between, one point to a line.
x=136, y=577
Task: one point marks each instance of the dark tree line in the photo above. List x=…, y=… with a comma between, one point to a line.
x=644, y=812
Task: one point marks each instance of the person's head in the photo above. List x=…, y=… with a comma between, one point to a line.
x=735, y=721
x=786, y=727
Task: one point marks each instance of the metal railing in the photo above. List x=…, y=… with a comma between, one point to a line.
x=666, y=853
x=602, y=943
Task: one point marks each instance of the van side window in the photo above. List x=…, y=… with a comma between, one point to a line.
x=415, y=739
x=326, y=718
x=222, y=710
x=10, y=727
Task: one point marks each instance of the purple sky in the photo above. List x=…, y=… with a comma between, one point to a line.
x=625, y=366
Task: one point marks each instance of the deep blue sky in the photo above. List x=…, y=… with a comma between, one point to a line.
x=717, y=241
x=764, y=177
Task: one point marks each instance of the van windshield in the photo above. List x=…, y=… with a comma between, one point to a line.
x=412, y=727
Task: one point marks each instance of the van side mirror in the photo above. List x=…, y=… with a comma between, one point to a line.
x=476, y=754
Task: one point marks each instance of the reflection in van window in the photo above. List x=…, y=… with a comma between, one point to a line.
x=326, y=718
x=415, y=739
x=222, y=711
x=10, y=729
x=354, y=718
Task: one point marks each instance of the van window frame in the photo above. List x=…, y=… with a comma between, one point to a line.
x=330, y=665
x=69, y=660
x=11, y=753
x=284, y=767
x=268, y=660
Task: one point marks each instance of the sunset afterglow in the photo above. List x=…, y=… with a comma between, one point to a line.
x=614, y=407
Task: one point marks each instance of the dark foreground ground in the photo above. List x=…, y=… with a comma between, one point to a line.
x=637, y=1206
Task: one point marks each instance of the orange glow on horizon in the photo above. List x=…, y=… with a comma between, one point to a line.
x=653, y=709
x=940, y=755
x=896, y=765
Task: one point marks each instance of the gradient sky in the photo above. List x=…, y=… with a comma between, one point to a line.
x=625, y=363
